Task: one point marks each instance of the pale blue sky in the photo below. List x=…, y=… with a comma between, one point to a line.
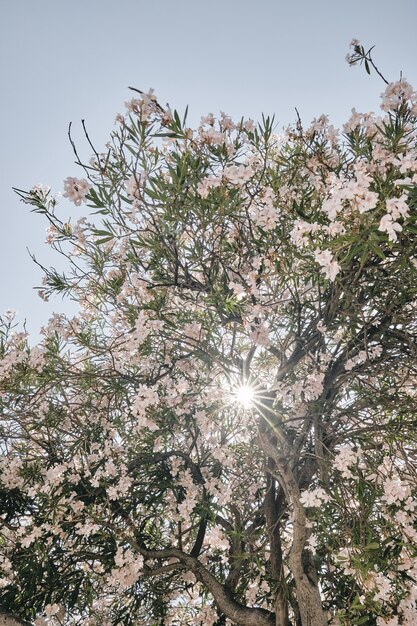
x=64, y=60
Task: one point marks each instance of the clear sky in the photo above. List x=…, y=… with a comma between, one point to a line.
x=67, y=60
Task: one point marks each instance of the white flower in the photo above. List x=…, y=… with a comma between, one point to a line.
x=314, y=386
x=335, y=228
x=332, y=206
x=238, y=289
x=128, y=568
x=145, y=398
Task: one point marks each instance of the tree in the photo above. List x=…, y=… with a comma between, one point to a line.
x=225, y=432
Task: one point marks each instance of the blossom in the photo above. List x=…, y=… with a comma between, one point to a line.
x=207, y=119
x=193, y=331
x=398, y=207
x=76, y=189
x=395, y=94
x=314, y=498
x=146, y=397
x=263, y=210
x=128, y=567
x=142, y=329
x=204, y=186
x=368, y=201
x=387, y=225
x=226, y=121
x=313, y=386
x=9, y=314
x=395, y=491
x=237, y=174
x=300, y=231
x=145, y=106
x=383, y=586
x=260, y=335
x=329, y=266
x=335, y=228
x=216, y=539
x=332, y=206
x=346, y=457
x=133, y=184
x=249, y=125
x=52, y=609
x=267, y=216
x=238, y=289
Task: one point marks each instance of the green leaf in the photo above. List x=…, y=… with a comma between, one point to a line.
x=375, y=248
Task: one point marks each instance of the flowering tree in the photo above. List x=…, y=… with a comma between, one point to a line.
x=225, y=432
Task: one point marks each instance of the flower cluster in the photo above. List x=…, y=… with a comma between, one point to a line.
x=76, y=189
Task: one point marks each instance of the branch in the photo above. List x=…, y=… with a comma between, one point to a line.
x=142, y=459
x=238, y=613
x=302, y=568
x=8, y=619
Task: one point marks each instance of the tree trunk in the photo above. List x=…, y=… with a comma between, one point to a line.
x=300, y=562
x=281, y=609
x=273, y=503
x=304, y=571
x=308, y=595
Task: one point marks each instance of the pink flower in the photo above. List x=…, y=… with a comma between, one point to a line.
x=300, y=232
x=76, y=189
x=395, y=491
x=329, y=266
x=133, y=183
x=52, y=609
x=395, y=94
x=314, y=498
x=237, y=174
x=398, y=207
x=238, y=289
x=260, y=336
x=193, y=331
x=368, y=201
x=314, y=386
x=204, y=186
x=388, y=225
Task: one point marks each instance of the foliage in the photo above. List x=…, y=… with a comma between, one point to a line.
x=225, y=433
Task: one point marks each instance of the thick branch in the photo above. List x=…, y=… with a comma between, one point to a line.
x=273, y=505
x=238, y=613
x=305, y=576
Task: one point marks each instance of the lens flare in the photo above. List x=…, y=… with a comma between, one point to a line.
x=245, y=395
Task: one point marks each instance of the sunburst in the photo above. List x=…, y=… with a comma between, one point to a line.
x=244, y=396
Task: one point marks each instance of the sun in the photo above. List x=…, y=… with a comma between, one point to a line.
x=244, y=395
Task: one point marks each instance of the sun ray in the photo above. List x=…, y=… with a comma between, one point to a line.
x=245, y=396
